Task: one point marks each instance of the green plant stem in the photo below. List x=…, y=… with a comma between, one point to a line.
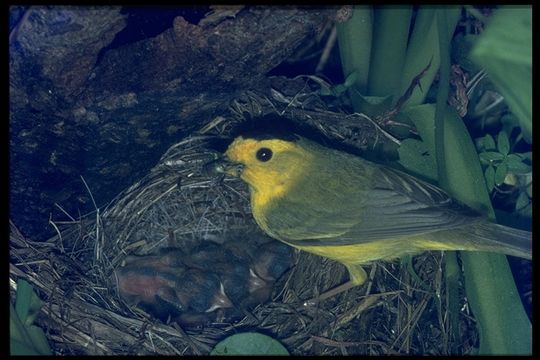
x=355, y=38
x=442, y=95
x=451, y=266
x=503, y=324
x=453, y=277
x=390, y=37
x=424, y=47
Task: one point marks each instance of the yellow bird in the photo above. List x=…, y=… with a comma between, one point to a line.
x=340, y=206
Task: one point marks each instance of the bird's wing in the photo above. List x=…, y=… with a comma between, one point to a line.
x=393, y=205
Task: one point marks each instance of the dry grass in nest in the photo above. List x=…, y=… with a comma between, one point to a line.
x=393, y=313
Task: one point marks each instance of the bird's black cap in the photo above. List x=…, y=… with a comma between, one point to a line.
x=270, y=126
x=274, y=126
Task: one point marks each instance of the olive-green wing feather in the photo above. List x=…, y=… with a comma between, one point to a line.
x=366, y=202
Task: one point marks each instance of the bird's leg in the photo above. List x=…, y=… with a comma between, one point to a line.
x=357, y=276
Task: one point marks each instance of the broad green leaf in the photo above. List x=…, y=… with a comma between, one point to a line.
x=525, y=155
x=490, y=178
x=488, y=142
x=17, y=329
x=28, y=303
x=354, y=41
x=504, y=50
x=351, y=79
x=39, y=339
x=24, y=300
x=503, y=144
x=516, y=166
x=339, y=89
x=522, y=201
x=461, y=48
x=513, y=158
x=373, y=106
x=500, y=173
x=489, y=156
x=526, y=211
x=391, y=26
x=325, y=91
x=414, y=156
x=249, y=343
x=509, y=122
x=25, y=338
x=20, y=348
x=422, y=117
x=423, y=47
x=503, y=325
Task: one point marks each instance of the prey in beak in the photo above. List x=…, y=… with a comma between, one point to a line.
x=223, y=166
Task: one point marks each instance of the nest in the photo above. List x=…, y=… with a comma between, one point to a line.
x=393, y=313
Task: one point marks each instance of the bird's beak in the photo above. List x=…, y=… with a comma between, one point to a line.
x=223, y=165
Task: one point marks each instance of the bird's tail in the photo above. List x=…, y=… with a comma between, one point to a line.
x=486, y=236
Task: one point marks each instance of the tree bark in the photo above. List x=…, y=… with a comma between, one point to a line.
x=111, y=120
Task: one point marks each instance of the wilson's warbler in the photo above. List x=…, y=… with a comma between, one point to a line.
x=338, y=205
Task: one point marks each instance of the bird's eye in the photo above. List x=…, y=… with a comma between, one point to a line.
x=264, y=154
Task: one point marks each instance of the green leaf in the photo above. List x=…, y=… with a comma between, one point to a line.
x=489, y=156
x=351, y=79
x=522, y=201
x=525, y=155
x=461, y=48
x=373, y=105
x=489, y=174
x=503, y=324
x=325, y=91
x=509, y=122
x=526, y=211
x=505, y=51
x=488, y=280
x=423, y=47
x=391, y=26
x=249, y=344
x=25, y=338
x=500, y=173
x=443, y=90
x=513, y=158
x=503, y=144
x=414, y=156
x=516, y=166
x=355, y=39
x=24, y=300
x=339, y=89
x=488, y=142
x=17, y=347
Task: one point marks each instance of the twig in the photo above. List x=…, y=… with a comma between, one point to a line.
x=58, y=232
x=64, y=211
x=89, y=192
x=327, y=50
x=393, y=139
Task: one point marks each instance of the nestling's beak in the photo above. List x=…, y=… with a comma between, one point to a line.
x=222, y=165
